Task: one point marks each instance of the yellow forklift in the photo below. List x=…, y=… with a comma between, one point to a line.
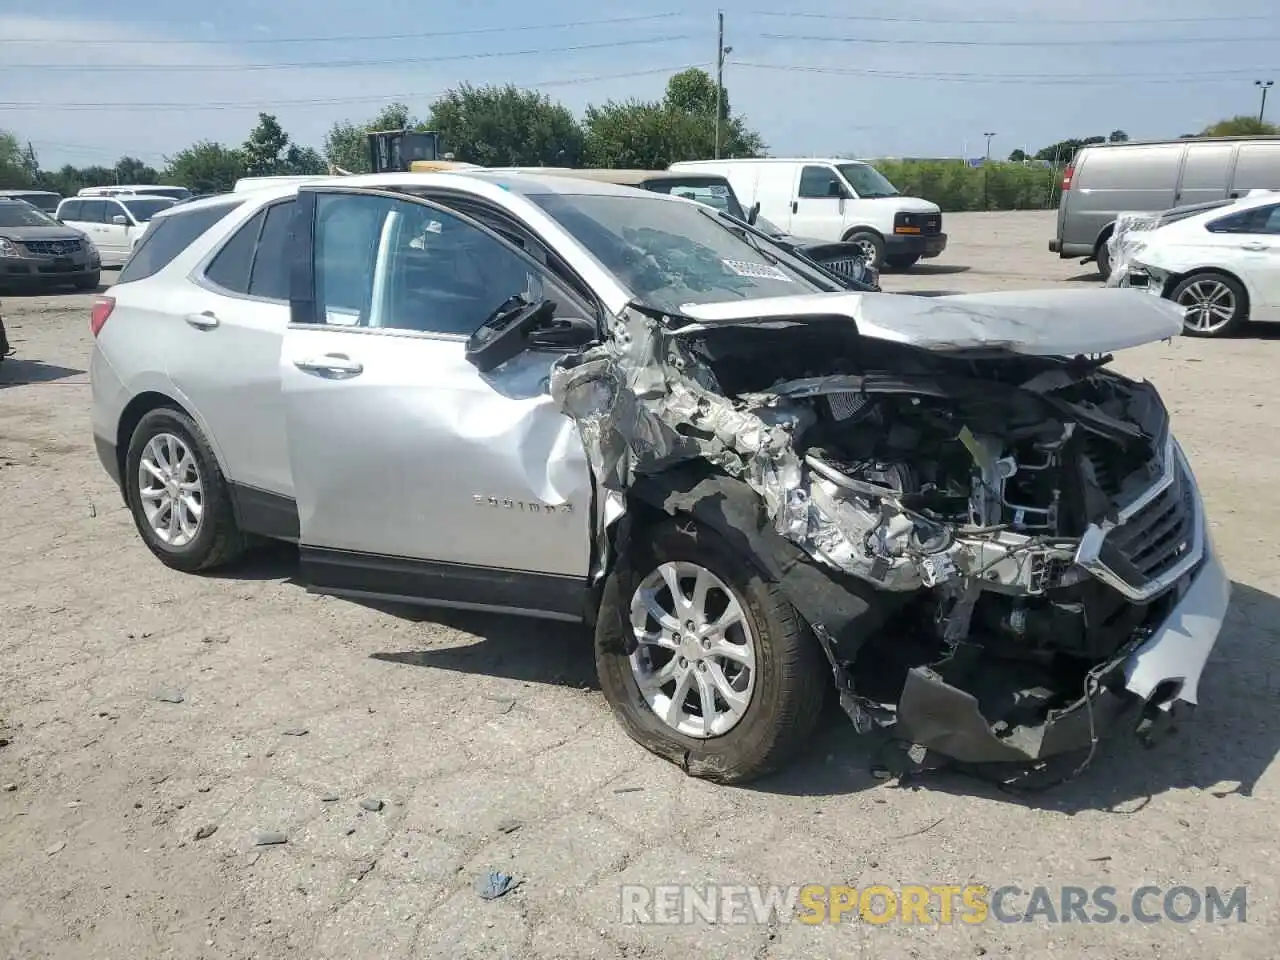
x=410, y=151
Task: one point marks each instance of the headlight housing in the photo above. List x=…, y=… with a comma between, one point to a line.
x=8, y=248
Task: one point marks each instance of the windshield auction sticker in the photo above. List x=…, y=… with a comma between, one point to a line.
x=759, y=271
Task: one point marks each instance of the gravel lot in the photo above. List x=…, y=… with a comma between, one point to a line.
x=492, y=749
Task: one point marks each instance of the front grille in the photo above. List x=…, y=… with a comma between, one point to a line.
x=52, y=248
x=849, y=266
x=926, y=224
x=1155, y=539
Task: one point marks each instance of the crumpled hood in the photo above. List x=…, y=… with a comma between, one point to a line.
x=1041, y=323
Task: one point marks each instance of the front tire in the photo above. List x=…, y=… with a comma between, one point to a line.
x=872, y=246
x=1103, y=258
x=1217, y=305
x=179, y=499
x=740, y=692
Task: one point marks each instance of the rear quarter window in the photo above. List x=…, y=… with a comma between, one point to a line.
x=166, y=237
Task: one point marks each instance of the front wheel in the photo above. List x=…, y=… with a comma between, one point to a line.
x=179, y=499
x=703, y=661
x=872, y=245
x=1216, y=304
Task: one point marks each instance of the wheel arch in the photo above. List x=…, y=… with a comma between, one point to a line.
x=862, y=228
x=137, y=408
x=1178, y=277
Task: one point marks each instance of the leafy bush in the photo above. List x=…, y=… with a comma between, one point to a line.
x=955, y=186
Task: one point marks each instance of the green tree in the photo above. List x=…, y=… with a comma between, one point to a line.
x=303, y=161
x=263, y=150
x=133, y=170
x=1118, y=136
x=13, y=172
x=636, y=133
x=1240, y=127
x=1064, y=150
x=1019, y=156
x=503, y=126
x=346, y=144
x=206, y=167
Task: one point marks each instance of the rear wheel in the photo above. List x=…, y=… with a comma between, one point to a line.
x=177, y=494
x=703, y=661
x=872, y=246
x=1104, y=258
x=1216, y=304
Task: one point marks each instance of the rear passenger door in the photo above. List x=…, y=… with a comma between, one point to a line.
x=417, y=476
x=94, y=214
x=234, y=316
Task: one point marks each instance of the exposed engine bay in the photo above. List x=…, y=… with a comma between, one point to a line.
x=1013, y=523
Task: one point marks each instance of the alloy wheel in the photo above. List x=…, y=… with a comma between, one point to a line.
x=1211, y=305
x=171, y=490
x=695, y=660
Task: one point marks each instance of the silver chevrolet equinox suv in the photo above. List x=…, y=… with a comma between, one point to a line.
x=587, y=402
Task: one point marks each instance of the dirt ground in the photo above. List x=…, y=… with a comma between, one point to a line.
x=490, y=747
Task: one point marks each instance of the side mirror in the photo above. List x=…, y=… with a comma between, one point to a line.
x=519, y=325
x=836, y=189
x=754, y=213
x=120, y=220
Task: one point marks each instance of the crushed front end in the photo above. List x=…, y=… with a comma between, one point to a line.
x=1012, y=548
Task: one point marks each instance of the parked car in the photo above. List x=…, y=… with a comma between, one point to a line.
x=1221, y=265
x=1106, y=179
x=115, y=224
x=137, y=190
x=45, y=200
x=36, y=251
x=568, y=399
x=715, y=191
x=836, y=200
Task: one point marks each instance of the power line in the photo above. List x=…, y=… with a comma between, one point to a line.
x=1212, y=76
x=345, y=38
x=335, y=64
x=1023, y=21
x=1103, y=42
x=271, y=105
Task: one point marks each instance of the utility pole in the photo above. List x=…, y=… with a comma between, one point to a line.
x=1265, y=85
x=720, y=50
x=986, y=173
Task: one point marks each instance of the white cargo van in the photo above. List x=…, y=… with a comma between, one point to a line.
x=831, y=199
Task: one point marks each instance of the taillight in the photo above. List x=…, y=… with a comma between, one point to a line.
x=99, y=313
x=1067, y=174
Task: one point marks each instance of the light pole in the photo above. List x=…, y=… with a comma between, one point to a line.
x=986, y=174
x=1265, y=85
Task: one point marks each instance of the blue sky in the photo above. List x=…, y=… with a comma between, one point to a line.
x=926, y=80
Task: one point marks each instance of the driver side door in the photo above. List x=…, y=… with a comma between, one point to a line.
x=417, y=477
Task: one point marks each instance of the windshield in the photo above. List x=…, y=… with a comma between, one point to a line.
x=144, y=208
x=769, y=227
x=867, y=182
x=19, y=213
x=669, y=254
x=48, y=202
x=712, y=191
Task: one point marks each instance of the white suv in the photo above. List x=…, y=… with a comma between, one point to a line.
x=114, y=224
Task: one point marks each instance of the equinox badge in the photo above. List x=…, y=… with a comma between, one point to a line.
x=523, y=506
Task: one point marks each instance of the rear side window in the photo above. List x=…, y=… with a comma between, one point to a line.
x=230, y=268
x=254, y=261
x=270, y=278
x=168, y=236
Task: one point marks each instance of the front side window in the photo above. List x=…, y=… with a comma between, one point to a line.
x=867, y=182
x=670, y=254
x=818, y=183
x=393, y=264
x=70, y=210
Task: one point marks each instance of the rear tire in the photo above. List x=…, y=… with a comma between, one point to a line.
x=1208, y=296
x=787, y=688
x=872, y=246
x=1103, y=258
x=177, y=494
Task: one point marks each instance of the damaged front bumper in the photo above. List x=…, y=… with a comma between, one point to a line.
x=1143, y=685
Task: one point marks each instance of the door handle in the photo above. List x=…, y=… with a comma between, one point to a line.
x=333, y=364
x=795, y=206
x=1253, y=245
x=204, y=320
